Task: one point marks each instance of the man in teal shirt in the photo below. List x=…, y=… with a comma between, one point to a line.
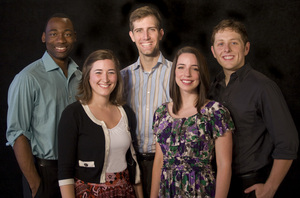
x=36, y=98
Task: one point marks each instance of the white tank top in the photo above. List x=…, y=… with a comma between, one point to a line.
x=119, y=144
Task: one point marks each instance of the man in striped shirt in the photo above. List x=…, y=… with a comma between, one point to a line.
x=146, y=83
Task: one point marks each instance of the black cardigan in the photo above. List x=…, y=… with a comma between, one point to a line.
x=79, y=138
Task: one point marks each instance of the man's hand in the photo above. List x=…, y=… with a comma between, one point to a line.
x=34, y=188
x=267, y=190
x=25, y=160
x=262, y=190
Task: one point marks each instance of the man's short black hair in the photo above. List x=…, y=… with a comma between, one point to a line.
x=56, y=15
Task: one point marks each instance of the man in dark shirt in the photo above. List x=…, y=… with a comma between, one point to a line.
x=266, y=140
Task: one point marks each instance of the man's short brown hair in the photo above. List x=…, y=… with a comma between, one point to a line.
x=236, y=26
x=143, y=12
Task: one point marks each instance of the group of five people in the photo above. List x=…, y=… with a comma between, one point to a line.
x=154, y=129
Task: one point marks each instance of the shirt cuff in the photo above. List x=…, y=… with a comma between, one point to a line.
x=65, y=182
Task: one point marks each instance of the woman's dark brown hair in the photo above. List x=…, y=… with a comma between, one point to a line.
x=203, y=86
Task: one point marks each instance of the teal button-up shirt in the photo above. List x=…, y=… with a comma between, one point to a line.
x=36, y=98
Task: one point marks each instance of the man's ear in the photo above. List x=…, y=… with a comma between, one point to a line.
x=161, y=32
x=44, y=37
x=131, y=36
x=75, y=36
x=247, y=48
x=212, y=50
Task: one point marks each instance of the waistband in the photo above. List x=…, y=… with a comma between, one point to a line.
x=110, y=179
x=260, y=172
x=46, y=163
x=145, y=156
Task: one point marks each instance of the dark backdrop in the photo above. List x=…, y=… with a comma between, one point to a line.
x=273, y=27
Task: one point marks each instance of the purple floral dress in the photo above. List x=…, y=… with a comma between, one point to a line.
x=188, y=149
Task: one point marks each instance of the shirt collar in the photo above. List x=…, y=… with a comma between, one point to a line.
x=161, y=60
x=51, y=65
x=240, y=73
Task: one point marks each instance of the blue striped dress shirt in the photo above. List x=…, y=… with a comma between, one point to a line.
x=144, y=93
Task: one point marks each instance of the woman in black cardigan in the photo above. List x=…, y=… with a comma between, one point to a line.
x=95, y=136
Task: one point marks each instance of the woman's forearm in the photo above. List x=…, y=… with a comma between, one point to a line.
x=156, y=172
x=223, y=181
x=223, y=147
x=67, y=191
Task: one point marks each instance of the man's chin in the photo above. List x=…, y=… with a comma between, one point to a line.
x=151, y=54
x=60, y=57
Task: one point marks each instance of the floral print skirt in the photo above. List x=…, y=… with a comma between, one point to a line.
x=117, y=185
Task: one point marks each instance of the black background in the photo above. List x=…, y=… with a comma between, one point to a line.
x=273, y=28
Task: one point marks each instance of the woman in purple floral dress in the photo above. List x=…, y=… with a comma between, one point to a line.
x=191, y=131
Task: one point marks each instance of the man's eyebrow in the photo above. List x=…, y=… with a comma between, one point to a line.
x=66, y=30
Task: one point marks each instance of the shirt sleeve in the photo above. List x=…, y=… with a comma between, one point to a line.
x=66, y=182
x=222, y=121
x=22, y=95
x=67, y=145
x=156, y=122
x=279, y=122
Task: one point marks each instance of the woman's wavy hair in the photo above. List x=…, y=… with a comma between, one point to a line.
x=203, y=86
x=84, y=88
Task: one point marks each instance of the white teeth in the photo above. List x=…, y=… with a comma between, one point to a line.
x=146, y=44
x=228, y=57
x=105, y=86
x=60, y=48
x=186, y=81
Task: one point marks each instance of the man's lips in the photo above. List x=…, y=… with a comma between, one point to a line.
x=60, y=49
x=146, y=44
x=228, y=57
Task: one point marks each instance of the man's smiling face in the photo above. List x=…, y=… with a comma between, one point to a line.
x=230, y=50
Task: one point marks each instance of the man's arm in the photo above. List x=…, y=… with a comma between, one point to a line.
x=281, y=127
x=267, y=190
x=25, y=160
x=138, y=188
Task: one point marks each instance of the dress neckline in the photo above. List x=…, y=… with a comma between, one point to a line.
x=201, y=111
